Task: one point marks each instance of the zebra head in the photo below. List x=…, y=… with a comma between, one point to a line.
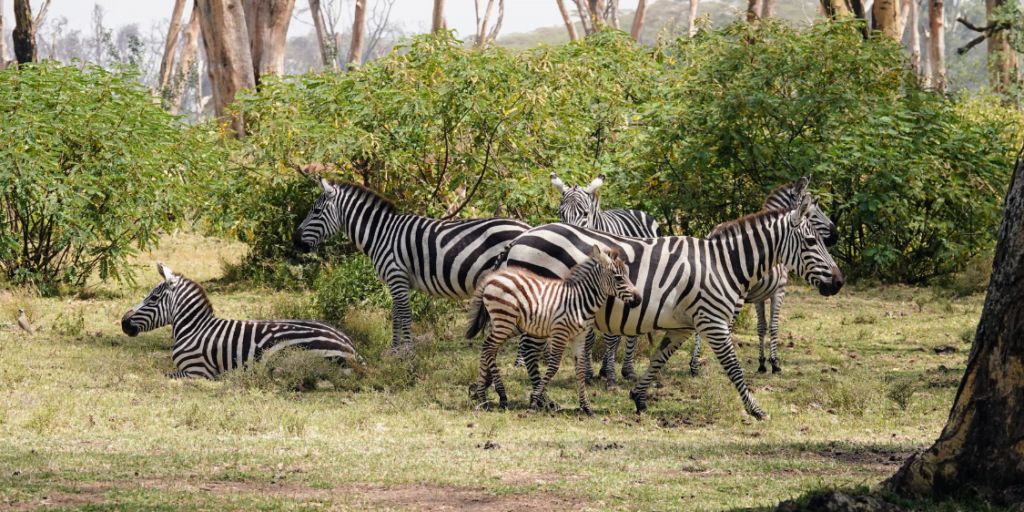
x=804, y=250
x=580, y=206
x=156, y=309
x=322, y=221
x=615, y=277
x=788, y=197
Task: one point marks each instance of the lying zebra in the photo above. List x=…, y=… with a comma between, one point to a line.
x=515, y=299
x=206, y=346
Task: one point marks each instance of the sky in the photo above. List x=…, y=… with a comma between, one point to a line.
x=520, y=15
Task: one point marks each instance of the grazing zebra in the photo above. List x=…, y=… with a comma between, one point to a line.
x=581, y=206
x=206, y=346
x=773, y=286
x=562, y=311
x=687, y=283
x=443, y=258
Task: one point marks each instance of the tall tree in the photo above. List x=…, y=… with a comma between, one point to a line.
x=267, y=25
x=937, y=44
x=483, y=36
x=979, y=450
x=638, y=19
x=229, y=61
x=328, y=57
x=692, y=28
x=171, y=44
x=914, y=24
x=753, y=10
x=585, y=19
x=569, y=24
x=767, y=8
x=1002, y=59
x=835, y=8
x=613, y=13
x=437, y=21
x=885, y=18
x=188, y=52
x=24, y=34
x=355, y=50
x=3, y=38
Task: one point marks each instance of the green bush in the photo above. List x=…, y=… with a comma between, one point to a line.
x=90, y=170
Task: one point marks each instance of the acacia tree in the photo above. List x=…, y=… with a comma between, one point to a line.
x=24, y=35
x=267, y=25
x=483, y=36
x=569, y=24
x=229, y=64
x=980, y=447
x=171, y=44
x=937, y=44
x=355, y=52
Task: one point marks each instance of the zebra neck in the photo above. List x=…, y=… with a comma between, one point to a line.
x=192, y=312
x=584, y=284
x=759, y=250
x=362, y=217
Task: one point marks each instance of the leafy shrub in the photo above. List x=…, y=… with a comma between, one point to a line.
x=967, y=334
x=70, y=323
x=90, y=170
x=900, y=389
x=974, y=277
x=846, y=395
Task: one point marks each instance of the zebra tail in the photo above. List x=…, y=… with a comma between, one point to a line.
x=478, y=316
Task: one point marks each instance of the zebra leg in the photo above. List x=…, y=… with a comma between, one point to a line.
x=762, y=328
x=581, y=381
x=628, y=372
x=488, y=365
x=588, y=349
x=718, y=337
x=773, y=329
x=611, y=343
x=668, y=346
x=533, y=349
x=695, y=360
x=521, y=353
x=401, y=312
x=557, y=347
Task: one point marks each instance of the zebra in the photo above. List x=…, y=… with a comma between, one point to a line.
x=443, y=258
x=206, y=346
x=688, y=284
x=772, y=287
x=581, y=206
x=515, y=299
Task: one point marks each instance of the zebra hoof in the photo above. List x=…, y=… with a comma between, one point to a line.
x=762, y=369
x=776, y=369
x=759, y=415
x=590, y=412
x=503, y=404
x=611, y=384
x=630, y=375
x=640, y=401
x=694, y=371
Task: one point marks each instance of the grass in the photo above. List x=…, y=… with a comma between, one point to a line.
x=87, y=419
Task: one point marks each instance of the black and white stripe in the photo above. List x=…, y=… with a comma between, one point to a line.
x=688, y=284
x=206, y=346
x=772, y=287
x=443, y=258
x=581, y=206
x=561, y=311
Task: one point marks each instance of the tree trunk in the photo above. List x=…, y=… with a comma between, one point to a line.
x=767, y=8
x=24, y=35
x=638, y=19
x=613, y=11
x=981, y=448
x=330, y=62
x=229, y=62
x=355, y=52
x=437, y=20
x=904, y=18
x=596, y=8
x=171, y=45
x=3, y=37
x=569, y=25
x=926, y=57
x=1002, y=59
x=188, y=52
x=914, y=24
x=835, y=8
x=481, y=23
x=753, y=10
x=937, y=49
x=691, y=30
x=267, y=24
x=585, y=19
x=885, y=18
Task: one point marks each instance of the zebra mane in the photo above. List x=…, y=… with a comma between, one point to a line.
x=579, y=271
x=364, y=191
x=737, y=226
x=786, y=194
x=202, y=291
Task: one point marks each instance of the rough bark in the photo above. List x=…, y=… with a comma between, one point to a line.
x=1002, y=59
x=24, y=34
x=188, y=53
x=767, y=8
x=638, y=19
x=753, y=10
x=267, y=25
x=835, y=8
x=692, y=28
x=171, y=44
x=229, y=62
x=937, y=44
x=596, y=8
x=885, y=18
x=330, y=62
x=437, y=20
x=914, y=24
x=569, y=25
x=355, y=53
x=981, y=448
x=904, y=17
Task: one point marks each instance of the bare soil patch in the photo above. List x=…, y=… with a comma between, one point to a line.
x=870, y=459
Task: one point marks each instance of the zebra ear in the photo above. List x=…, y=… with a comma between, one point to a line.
x=557, y=183
x=325, y=185
x=600, y=256
x=800, y=186
x=594, y=185
x=165, y=272
x=804, y=211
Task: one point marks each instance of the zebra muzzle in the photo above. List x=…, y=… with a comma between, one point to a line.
x=126, y=324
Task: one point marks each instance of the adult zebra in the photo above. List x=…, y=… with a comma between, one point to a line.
x=206, y=346
x=581, y=206
x=444, y=258
x=687, y=283
x=772, y=287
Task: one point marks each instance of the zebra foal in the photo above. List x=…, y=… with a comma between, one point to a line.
x=443, y=258
x=206, y=346
x=562, y=311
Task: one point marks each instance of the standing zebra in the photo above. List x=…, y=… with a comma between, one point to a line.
x=444, y=258
x=562, y=311
x=206, y=346
x=773, y=286
x=581, y=206
x=687, y=283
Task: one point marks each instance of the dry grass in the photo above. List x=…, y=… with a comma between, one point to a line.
x=88, y=420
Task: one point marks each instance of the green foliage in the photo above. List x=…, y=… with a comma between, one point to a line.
x=913, y=187
x=900, y=389
x=90, y=170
